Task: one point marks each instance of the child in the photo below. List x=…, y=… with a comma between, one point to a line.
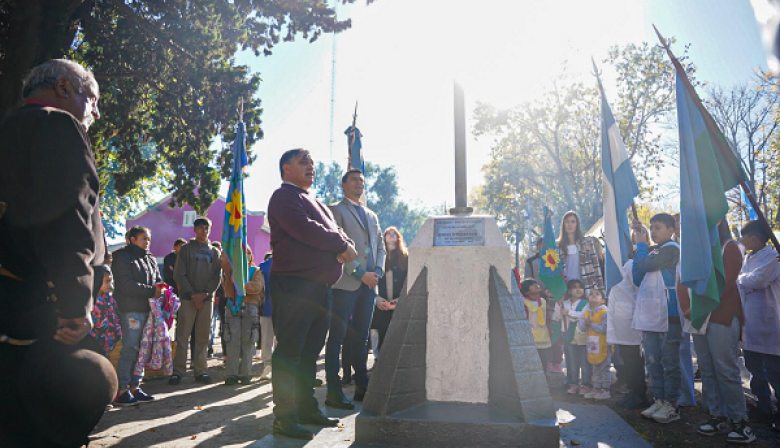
x=536, y=309
x=574, y=341
x=106, y=328
x=594, y=321
x=657, y=315
x=759, y=287
x=626, y=340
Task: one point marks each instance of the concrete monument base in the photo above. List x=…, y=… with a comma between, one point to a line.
x=459, y=366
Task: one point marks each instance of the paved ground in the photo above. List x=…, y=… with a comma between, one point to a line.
x=196, y=415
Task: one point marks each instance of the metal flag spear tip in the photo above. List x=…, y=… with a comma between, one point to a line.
x=712, y=127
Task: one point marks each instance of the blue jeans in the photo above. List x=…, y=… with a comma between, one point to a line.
x=720, y=377
x=687, y=396
x=132, y=328
x=577, y=365
x=360, y=305
x=765, y=371
x=662, y=356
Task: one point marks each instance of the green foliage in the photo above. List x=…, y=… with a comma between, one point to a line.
x=548, y=151
x=381, y=194
x=167, y=74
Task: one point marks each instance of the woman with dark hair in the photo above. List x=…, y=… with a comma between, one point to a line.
x=391, y=283
x=581, y=256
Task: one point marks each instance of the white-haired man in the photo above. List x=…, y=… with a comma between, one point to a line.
x=53, y=391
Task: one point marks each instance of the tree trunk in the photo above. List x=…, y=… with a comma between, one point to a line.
x=38, y=30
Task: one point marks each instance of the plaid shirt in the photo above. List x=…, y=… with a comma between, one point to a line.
x=590, y=264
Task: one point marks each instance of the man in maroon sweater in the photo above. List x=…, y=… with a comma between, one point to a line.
x=309, y=250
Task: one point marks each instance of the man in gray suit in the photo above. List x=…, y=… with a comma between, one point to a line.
x=354, y=293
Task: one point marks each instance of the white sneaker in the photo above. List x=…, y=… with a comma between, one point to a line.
x=666, y=414
x=591, y=394
x=740, y=433
x=648, y=413
x=603, y=395
x=266, y=376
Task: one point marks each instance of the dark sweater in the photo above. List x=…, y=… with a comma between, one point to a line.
x=730, y=301
x=136, y=277
x=305, y=238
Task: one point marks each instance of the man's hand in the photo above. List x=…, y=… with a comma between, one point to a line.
x=348, y=255
x=199, y=298
x=371, y=279
x=71, y=331
x=687, y=314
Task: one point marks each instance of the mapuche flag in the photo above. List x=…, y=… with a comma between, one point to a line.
x=234, y=227
x=550, y=271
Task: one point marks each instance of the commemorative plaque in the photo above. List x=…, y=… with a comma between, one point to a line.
x=459, y=232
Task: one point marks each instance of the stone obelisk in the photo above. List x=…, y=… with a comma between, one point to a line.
x=459, y=366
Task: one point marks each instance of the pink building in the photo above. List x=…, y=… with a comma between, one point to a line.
x=167, y=224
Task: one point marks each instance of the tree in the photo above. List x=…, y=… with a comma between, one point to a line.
x=167, y=74
x=548, y=151
x=381, y=194
x=747, y=115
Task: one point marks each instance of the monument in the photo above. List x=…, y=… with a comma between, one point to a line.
x=459, y=366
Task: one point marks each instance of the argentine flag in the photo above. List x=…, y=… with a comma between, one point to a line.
x=620, y=188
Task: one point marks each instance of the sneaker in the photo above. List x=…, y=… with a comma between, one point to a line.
x=573, y=389
x=267, y=374
x=556, y=368
x=584, y=390
x=174, y=380
x=666, y=414
x=603, y=395
x=232, y=380
x=126, y=399
x=648, y=413
x=549, y=367
x=713, y=426
x=592, y=393
x=142, y=396
x=741, y=433
x=203, y=378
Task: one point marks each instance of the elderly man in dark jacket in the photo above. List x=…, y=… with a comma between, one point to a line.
x=51, y=236
x=136, y=280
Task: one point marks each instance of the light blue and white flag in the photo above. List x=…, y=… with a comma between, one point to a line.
x=620, y=188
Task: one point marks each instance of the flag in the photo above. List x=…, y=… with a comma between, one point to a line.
x=234, y=227
x=550, y=271
x=707, y=171
x=354, y=147
x=619, y=189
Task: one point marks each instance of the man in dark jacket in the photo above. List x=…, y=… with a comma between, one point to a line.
x=51, y=236
x=198, y=273
x=136, y=280
x=169, y=262
x=309, y=249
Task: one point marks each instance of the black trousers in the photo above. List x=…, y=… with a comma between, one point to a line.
x=633, y=370
x=301, y=308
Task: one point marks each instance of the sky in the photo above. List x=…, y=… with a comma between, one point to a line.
x=401, y=57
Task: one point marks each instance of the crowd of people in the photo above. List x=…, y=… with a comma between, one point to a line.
x=643, y=328
x=333, y=277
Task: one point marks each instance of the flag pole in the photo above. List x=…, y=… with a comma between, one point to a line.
x=713, y=128
x=601, y=89
x=352, y=138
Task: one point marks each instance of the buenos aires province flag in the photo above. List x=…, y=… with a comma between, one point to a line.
x=550, y=270
x=619, y=189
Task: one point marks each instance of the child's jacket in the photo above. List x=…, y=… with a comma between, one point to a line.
x=598, y=351
x=622, y=302
x=759, y=288
x=537, y=317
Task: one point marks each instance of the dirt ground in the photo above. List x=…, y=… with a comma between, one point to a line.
x=682, y=432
